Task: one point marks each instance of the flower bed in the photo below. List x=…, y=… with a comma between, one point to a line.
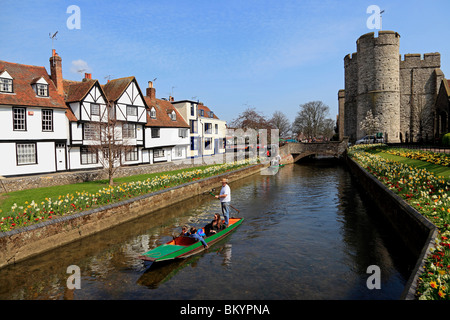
x=430, y=195
x=428, y=156
x=33, y=212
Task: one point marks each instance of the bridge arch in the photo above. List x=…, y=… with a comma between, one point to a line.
x=293, y=152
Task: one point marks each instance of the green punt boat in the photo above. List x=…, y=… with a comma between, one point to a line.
x=183, y=247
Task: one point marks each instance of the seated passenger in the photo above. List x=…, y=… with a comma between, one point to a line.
x=195, y=235
x=215, y=226
x=184, y=231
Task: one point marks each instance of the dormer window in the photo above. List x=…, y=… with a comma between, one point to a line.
x=6, y=85
x=6, y=82
x=153, y=113
x=173, y=116
x=202, y=113
x=42, y=90
x=211, y=114
x=40, y=86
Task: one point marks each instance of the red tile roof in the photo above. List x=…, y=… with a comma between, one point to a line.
x=163, y=108
x=115, y=88
x=24, y=95
x=206, y=111
x=77, y=90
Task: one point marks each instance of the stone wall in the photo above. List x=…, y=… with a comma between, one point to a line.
x=417, y=233
x=18, y=245
x=420, y=80
x=63, y=178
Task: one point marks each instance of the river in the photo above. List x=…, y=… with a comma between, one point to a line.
x=309, y=234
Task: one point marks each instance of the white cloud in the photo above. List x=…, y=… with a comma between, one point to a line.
x=80, y=67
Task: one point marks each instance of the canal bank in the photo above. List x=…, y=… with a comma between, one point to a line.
x=417, y=232
x=21, y=244
x=310, y=222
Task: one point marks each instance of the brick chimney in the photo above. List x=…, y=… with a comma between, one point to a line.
x=88, y=76
x=151, y=92
x=56, y=72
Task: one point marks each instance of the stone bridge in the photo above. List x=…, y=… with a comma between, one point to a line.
x=293, y=152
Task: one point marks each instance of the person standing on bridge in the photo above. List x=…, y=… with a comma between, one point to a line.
x=225, y=199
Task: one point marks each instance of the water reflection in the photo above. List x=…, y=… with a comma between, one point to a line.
x=310, y=223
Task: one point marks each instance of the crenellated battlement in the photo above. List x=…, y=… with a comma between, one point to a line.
x=383, y=38
x=416, y=60
x=378, y=78
x=350, y=58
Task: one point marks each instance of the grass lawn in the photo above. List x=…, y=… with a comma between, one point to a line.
x=437, y=170
x=7, y=200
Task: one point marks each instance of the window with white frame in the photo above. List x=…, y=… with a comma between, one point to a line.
x=182, y=132
x=132, y=155
x=19, y=119
x=208, y=143
x=47, y=120
x=129, y=130
x=6, y=85
x=173, y=116
x=90, y=131
x=194, y=126
x=26, y=153
x=179, y=152
x=95, y=109
x=88, y=156
x=194, y=143
x=42, y=90
x=131, y=111
x=158, y=153
x=153, y=113
x=208, y=128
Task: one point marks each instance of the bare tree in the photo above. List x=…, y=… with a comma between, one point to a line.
x=312, y=120
x=251, y=119
x=110, y=141
x=281, y=122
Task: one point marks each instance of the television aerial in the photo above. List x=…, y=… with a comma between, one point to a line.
x=53, y=37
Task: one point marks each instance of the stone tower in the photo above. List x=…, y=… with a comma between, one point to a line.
x=400, y=92
x=376, y=86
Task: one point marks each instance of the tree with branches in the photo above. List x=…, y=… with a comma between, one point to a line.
x=281, y=122
x=110, y=141
x=312, y=121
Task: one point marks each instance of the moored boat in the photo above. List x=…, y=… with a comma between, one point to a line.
x=184, y=246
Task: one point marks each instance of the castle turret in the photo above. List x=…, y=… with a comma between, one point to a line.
x=350, y=96
x=379, y=82
x=402, y=93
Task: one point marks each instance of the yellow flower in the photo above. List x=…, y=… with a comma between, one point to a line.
x=433, y=284
x=441, y=294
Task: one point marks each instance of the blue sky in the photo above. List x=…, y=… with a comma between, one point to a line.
x=231, y=54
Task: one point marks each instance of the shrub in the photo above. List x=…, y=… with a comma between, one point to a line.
x=446, y=139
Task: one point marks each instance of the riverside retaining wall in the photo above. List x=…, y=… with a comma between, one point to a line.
x=417, y=232
x=21, y=244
